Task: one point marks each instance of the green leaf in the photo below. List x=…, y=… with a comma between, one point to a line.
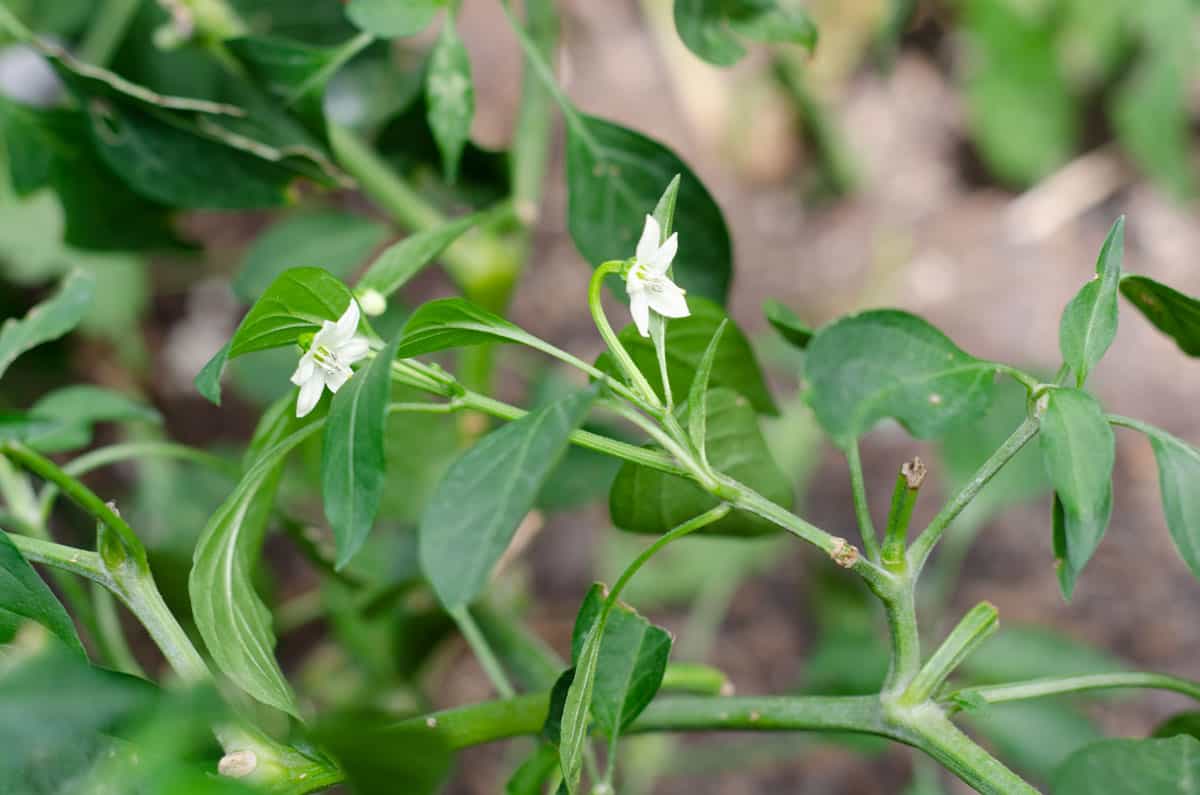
x=645, y=500
x=455, y=323
x=576, y=710
x=232, y=619
x=531, y=777
x=1089, y=322
x=22, y=592
x=335, y=242
x=552, y=728
x=450, y=97
x=734, y=366
x=1178, y=474
x=614, y=176
x=292, y=72
x=486, y=493
x=708, y=27
x=193, y=153
x=632, y=661
x=1034, y=736
x=78, y=408
x=1170, y=311
x=401, y=261
x=1149, y=109
x=698, y=394
x=382, y=759
x=1022, y=114
x=388, y=19
x=19, y=426
x=788, y=324
x=49, y=320
x=353, y=463
x=664, y=211
x=52, y=146
x=1181, y=723
x=72, y=705
x=1133, y=767
x=298, y=301
x=208, y=380
x=1078, y=451
x=888, y=363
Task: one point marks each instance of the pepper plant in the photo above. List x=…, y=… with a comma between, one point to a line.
x=678, y=391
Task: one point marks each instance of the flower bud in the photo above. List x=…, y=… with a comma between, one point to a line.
x=372, y=302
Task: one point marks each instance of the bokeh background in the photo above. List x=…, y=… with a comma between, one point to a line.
x=961, y=160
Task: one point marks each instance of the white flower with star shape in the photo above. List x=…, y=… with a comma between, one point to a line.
x=649, y=287
x=327, y=361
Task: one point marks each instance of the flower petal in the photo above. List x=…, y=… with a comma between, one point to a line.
x=668, y=300
x=647, y=247
x=310, y=395
x=353, y=349
x=665, y=255
x=304, y=370
x=337, y=379
x=325, y=336
x=347, y=324
x=639, y=307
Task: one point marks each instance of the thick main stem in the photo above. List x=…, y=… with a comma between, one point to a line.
x=933, y=733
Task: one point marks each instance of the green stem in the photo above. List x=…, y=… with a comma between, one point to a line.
x=1057, y=686
x=622, y=357
x=342, y=55
x=923, y=546
x=134, y=585
x=974, y=628
x=80, y=494
x=592, y=441
x=111, y=637
x=862, y=510
x=900, y=610
x=490, y=721
x=531, y=139
x=541, y=69
x=958, y=753
x=77, y=561
x=104, y=456
x=690, y=526
x=106, y=30
x=694, y=678
x=844, y=554
x=483, y=652
x=477, y=265
x=904, y=499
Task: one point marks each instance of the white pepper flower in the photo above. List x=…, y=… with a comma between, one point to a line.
x=649, y=287
x=327, y=361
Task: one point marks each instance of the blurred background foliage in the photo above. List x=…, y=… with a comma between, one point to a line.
x=1102, y=94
